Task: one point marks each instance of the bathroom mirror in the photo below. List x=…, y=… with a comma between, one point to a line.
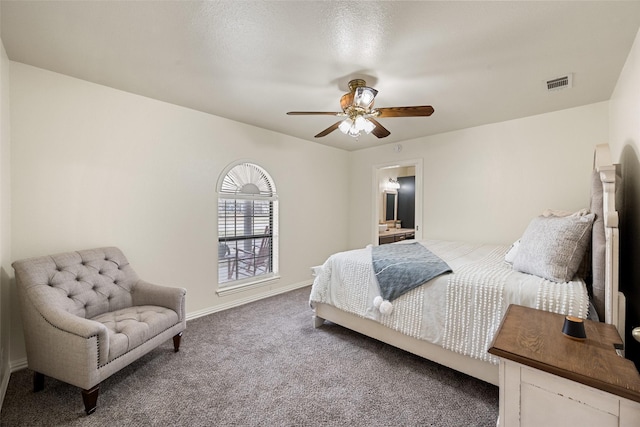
x=390, y=205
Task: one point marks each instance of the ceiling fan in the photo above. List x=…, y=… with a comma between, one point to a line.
x=359, y=114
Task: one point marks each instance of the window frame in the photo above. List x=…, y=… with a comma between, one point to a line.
x=227, y=193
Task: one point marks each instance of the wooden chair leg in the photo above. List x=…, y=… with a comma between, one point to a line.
x=90, y=399
x=38, y=381
x=176, y=342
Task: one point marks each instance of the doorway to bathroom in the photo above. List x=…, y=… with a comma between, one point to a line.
x=397, y=201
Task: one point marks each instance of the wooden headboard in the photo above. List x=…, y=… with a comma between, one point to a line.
x=612, y=300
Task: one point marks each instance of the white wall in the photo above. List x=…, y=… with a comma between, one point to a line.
x=484, y=184
x=625, y=144
x=5, y=221
x=93, y=166
x=625, y=105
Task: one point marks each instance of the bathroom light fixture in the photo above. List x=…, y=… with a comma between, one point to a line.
x=393, y=184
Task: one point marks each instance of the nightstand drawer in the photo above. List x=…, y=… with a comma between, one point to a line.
x=536, y=398
x=577, y=392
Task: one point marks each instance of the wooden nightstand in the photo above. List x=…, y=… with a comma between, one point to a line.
x=548, y=379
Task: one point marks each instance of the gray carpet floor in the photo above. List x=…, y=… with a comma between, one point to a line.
x=263, y=364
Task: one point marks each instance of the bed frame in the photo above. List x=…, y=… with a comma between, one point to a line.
x=614, y=300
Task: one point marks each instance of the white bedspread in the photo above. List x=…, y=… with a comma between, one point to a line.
x=459, y=311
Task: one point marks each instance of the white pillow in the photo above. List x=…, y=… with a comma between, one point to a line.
x=510, y=256
x=512, y=252
x=553, y=247
x=555, y=212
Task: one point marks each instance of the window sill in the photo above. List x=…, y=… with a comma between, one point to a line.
x=244, y=285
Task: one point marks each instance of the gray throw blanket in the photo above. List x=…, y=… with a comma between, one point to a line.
x=400, y=268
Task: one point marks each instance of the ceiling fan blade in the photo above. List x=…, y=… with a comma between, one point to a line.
x=317, y=113
x=379, y=131
x=423, y=110
x=328, y=130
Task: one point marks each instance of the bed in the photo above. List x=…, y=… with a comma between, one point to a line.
x=451, y=319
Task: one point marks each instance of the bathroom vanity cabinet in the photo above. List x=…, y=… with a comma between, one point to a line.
x=395, y=235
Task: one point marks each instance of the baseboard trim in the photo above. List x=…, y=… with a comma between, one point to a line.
x=17, y=365
x=14, y=366
x=243, y=301
x=3, y=387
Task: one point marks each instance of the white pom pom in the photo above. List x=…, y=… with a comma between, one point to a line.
x=377, y=301
x=386, y=307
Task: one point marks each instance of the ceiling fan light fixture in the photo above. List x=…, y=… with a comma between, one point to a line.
x=362, y=124
x=354, y=132
x=354, y=127
x=364, y=97
x=345, y=125
x=359, y=123
x=369, y=127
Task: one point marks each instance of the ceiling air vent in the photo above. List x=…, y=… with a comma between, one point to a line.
x=558, y=83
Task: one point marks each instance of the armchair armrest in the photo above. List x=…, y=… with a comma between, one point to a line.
x=69, y=333
x=145, y=293
x=73, y=324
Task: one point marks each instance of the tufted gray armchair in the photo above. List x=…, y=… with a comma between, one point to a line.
x=86, y=315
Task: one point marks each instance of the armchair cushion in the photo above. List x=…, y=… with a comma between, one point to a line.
x=130, y=327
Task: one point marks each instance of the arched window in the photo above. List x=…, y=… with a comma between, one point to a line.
x=247, y=226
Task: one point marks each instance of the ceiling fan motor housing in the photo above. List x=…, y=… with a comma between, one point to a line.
x=353, y=84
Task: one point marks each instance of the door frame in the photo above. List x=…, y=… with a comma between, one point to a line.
x=418, y=164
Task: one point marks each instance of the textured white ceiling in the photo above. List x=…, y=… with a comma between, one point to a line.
x=475, y=62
